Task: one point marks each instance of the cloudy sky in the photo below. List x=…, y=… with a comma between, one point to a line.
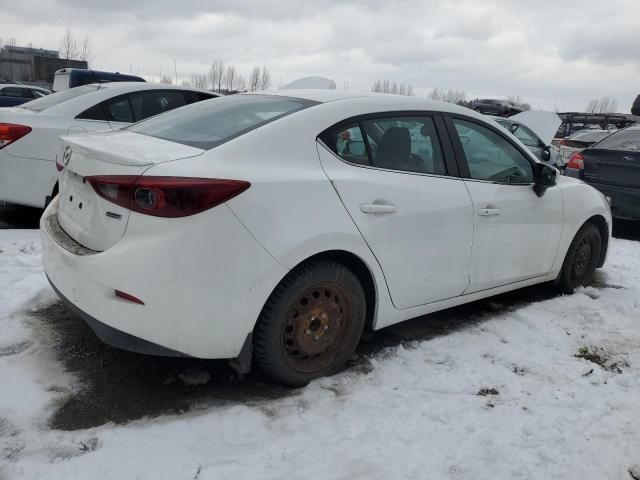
x=554, y=54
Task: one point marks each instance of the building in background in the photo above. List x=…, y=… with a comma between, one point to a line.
x=33, y=65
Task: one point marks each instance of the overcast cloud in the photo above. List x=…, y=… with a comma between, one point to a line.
x=555, y=54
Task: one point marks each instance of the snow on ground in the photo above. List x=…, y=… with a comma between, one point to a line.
x=544, y=413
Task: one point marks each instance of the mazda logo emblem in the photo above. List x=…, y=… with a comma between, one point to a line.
x=66, y=156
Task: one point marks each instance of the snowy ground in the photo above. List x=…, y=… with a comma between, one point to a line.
x=503, y=398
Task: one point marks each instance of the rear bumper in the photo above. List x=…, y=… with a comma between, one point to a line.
x=625, y=202
x=116, y=338
x=203, y=280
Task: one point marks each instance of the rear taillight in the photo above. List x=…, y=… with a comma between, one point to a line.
x=10, y=132
x=576, y=161
x=166, y=196
x=563, y=142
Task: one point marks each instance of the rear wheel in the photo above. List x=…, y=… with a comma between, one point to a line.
x=311, y=324
x=582, y=259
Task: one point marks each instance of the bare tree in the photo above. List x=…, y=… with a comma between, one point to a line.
x=199, y=80
x=241, y=84
x=85, y=49
x=409, y=90
x=216, y=75
x=519, y=102
x=449, y=95
x=166, y=79
x=69, y=46
x=254, y=79
x=265, y=79
x=602, y=105
x=230, y=78
x=387, y=86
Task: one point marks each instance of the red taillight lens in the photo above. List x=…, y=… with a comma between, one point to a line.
x=10, y=132
x=129, y=297
x=563, y=142
x=576, y=161
x=166, y=196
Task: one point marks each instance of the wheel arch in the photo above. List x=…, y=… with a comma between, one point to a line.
x=603, y=227
x=361, y=270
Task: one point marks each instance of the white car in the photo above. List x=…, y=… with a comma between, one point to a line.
x=578, y=141
x=278, y=226
x=29, y=133
x=536, y=131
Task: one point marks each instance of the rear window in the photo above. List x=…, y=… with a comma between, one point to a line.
x=208, y=124
x=54, y=99
x=622, y=140
x=589, y=136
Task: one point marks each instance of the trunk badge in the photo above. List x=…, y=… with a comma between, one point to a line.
x=66, y=156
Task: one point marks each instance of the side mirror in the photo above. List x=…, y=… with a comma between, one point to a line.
x=546, y=153
x=544, y=177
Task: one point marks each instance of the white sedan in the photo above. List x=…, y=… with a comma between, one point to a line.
x=29, y=133
x=276, y=227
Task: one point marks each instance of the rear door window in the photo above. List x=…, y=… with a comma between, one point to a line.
x=119, y=109
x=150, y=103
x=407, y=144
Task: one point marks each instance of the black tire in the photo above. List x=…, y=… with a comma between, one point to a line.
x=311, y=324
x=477, y=109
x=581, y=260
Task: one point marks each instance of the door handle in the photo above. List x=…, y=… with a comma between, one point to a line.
x=377, y=208
x=487, y=212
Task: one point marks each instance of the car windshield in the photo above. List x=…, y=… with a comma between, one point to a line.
x=622, y=140
x=54, y=99
x=208, y=124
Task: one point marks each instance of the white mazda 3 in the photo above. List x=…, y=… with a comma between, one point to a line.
x=274, y=228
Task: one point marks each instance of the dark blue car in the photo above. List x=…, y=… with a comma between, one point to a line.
x=74, y=77
x=12, y=94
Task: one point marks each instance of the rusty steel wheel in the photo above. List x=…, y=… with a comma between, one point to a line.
x=314, y=326
x=311, y=324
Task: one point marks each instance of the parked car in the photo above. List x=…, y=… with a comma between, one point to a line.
x=536, y=131
x=66, y=78
x=278, y=226
x=580, y=140
x=613, y=167
x=29, y=133
x=13, y=94
x=490, y=106
x=635, y=108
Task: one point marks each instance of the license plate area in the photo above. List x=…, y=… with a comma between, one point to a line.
x=77, y=201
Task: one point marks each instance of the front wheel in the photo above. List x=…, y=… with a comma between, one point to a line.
x=311, y=324
x=581, y=260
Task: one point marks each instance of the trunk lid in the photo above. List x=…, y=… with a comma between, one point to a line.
x=85, y=216
x=612, y=167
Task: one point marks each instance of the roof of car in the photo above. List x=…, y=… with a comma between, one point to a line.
x=148, y=86
x=386, y=100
